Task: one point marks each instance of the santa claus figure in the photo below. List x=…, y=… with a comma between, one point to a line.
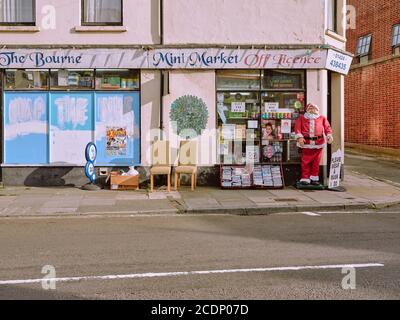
x=313, y=131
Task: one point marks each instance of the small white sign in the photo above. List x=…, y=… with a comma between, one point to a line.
x=252, y=154
x=271, y=106
x=228, y=131
x=336, y=167
x=252, y=124
x=338, y=62
x=238, y=107
x=286, y=126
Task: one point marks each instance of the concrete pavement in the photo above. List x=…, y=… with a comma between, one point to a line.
x=362, y=192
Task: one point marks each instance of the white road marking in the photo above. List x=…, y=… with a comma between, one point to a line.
x=190, y=273
x=311, y=214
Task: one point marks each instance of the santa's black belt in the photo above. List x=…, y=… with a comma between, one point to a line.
x=313, y=139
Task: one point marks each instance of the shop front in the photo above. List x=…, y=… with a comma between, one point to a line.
x=54, y=102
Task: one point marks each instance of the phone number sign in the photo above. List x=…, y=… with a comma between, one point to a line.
x=338, y=62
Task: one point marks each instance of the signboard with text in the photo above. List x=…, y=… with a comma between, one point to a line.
x=338, y=62
x=335, y=172
x=196, y=58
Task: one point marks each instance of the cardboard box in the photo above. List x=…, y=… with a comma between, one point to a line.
x=118, y=182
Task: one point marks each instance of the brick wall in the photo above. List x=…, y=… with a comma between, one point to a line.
x=372, y=95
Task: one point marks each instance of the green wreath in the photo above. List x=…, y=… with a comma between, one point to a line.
x=190, y=114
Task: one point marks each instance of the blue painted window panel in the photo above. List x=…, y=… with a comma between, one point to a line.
x=117, y=128
x=25, y=128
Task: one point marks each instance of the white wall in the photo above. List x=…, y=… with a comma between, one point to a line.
x=140, y=19
x=186, y=22
x=202, y=85
x=150, y=112
x=244, y=22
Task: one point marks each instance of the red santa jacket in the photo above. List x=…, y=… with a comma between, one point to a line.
x=313, y=129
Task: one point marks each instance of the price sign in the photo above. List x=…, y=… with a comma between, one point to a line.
x=238, y=107
x=271, y=106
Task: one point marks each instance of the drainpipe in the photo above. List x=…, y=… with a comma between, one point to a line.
x=161, y=22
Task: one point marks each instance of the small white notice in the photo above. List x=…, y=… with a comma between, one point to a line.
x=336, y=167
x=286, y=126
x=271, y=106
x=238, y=107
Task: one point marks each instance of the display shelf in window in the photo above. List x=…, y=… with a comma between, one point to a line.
x=34, y=79
x=118, y=79
x=283, y=80
x=238, y=80
x=238, y=123
x=71, y=79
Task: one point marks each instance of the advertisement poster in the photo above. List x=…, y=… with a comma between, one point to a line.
x=117, y=139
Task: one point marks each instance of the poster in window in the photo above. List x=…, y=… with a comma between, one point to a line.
x=71, y=127
x=117, y=128
x=25, y=128
x=116, y=141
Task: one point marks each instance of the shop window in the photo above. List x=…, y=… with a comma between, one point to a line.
x=238, y=80
x=117, y=79
x=238, y=123
x=280, y=110
x=17, y=12
x=102, y=12
x=283, y=80
x=26, y=79
x=364, y=48
x=261, y=122
x=396, y=38
x=71, y=79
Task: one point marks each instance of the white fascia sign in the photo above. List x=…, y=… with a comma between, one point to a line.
x=338, y=62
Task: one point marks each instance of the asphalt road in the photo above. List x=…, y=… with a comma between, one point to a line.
x=153, y=253
x=95, y=247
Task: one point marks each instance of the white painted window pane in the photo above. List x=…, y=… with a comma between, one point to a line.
x=102, y=11
x=16, y=11
x=332, y=12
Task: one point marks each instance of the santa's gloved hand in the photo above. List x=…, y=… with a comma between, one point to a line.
x=301, y=142
x=330, y=139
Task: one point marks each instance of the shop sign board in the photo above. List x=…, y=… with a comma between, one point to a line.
x=236, y=58
x=338, y=62
x=336, y=166
x=174, y=58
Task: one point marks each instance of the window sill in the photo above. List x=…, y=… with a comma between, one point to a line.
x=335, y=36
x=19, y=29
x=101, y=29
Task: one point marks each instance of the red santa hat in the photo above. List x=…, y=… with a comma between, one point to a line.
x=312, y=105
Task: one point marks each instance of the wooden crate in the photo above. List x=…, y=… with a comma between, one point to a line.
x=118, y=182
